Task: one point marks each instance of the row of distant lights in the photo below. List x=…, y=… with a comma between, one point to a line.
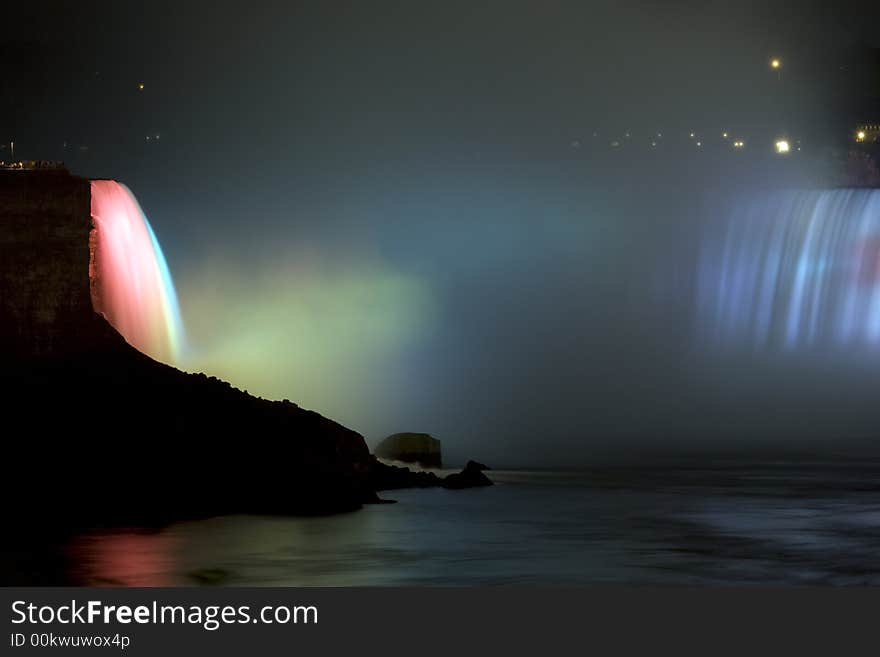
x=736, y=143
x=782, y=145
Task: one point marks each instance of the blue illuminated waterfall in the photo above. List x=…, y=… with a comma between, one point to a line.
x=794, y=270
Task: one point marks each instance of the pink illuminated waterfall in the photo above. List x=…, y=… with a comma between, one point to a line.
x=130, y=282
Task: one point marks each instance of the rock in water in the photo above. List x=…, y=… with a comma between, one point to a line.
x=390, y=477
x=421, y=448
x=471, y=477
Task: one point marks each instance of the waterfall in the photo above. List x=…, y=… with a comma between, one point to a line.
x=130, y=281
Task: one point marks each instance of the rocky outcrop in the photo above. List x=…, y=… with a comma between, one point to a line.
x=95, y=432
x=114, y=436
x=421, y=448
x=384, y=476
x=471, y=477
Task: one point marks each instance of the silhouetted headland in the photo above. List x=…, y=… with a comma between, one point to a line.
x=99, y=433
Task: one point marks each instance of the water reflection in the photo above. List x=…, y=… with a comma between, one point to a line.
x=126, y=558
x=730, y=526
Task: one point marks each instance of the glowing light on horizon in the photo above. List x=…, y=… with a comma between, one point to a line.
x=795, y=269
x=131, y=282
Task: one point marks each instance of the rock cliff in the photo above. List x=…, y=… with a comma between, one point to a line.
x=98, y=432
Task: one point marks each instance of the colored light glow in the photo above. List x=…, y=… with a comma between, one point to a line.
x=799, y=269
x=131, y=283
x=309, y=326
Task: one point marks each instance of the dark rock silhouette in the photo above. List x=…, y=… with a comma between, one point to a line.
x=470, y=477
x=107, y=433
x=421, y=448
x=390, y=477
x=97, y=433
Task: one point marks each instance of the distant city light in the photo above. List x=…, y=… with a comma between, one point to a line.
x=775, y=64
x=861, y=135
x=739, y=144
x=693, y=134
x=699, y=144
x=782, y=147
x=140, y=86
x=724, y=135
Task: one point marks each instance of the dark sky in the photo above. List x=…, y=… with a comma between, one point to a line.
x=406, y=214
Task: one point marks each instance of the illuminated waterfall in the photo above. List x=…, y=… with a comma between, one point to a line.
x=793, y=270
x=130, y=282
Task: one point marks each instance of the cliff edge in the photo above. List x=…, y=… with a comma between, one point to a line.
x=97, y=432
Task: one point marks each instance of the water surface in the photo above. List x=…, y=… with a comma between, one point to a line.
x=765, y=525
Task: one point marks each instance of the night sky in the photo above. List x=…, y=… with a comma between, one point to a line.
x=408, y=216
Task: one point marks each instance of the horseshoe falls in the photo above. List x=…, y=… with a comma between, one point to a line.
x=794, y=270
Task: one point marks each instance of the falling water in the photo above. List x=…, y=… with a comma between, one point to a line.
x=131, y=284
x=795, y=269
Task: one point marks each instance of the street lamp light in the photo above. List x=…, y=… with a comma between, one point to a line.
x=861, y=135
x=783, y=147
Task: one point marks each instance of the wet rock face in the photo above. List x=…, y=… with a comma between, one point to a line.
x=128, y=439
x=421, y=448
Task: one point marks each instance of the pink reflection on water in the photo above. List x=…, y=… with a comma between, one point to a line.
x=125, y=559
